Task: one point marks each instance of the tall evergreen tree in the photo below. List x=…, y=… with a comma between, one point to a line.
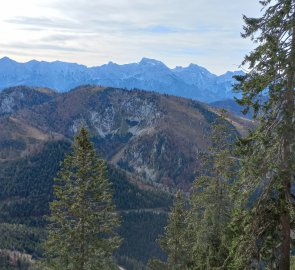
x=210, y=203
x=174, y=241
x=264, y=218
x=196, y=238
x=82, y=224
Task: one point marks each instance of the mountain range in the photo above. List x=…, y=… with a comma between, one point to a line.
x=193, y=82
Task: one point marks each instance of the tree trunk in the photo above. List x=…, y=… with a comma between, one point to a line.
x=286, y=242
x=82, y=249
x=288, y=136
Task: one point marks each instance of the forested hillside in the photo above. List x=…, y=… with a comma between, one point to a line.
x=150, y=141
x=136, y=131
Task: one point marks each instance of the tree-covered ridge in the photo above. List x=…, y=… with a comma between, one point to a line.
x=21, y=97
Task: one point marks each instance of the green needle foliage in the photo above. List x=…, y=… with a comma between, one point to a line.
x=196, y=237
x=174, y=241
x=210, y=203
x=264, y=214
x=82, y=225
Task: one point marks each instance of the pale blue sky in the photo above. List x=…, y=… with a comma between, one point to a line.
x=94, y=32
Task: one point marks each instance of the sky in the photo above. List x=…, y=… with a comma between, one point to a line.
x=94, y=32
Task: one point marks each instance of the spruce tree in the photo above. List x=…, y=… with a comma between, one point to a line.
x=197, y=237
x=174, y=241
x=264, y=213
x=210, y=203
x=82, y=225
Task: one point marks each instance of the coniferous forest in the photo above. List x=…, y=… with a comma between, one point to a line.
x=70, y=199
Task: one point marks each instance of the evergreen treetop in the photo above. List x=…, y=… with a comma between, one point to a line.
x=82, y=225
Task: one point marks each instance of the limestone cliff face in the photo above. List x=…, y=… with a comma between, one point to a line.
x=155, y=138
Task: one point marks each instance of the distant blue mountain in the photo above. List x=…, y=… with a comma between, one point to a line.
x=191, y=82
x=232, y=106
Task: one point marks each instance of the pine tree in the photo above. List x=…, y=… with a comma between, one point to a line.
x=210, y=203
x=82, y=224
x=263, y=218
x=174, y=242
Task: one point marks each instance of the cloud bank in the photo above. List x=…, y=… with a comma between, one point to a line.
x=206, y=32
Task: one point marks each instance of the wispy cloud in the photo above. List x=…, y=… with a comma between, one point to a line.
x=41, y=22
x=41, y=46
